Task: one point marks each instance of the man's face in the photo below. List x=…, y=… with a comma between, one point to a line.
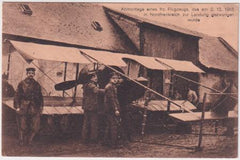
x=120, y=80
x=30, y=74
x=114, y=79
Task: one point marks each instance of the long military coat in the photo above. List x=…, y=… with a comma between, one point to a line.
x=90, y=96
x=111, y=103
x=28, y=97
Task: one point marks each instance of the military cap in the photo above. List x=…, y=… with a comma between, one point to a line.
x=114, y=74
x=30, y=69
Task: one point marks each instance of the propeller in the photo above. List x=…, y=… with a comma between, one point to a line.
x=83, y=77
x=66, y=85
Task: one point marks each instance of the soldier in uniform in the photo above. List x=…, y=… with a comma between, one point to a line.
x=28, y=102
x=123, y=90
x=90, y=106
x=112, y=111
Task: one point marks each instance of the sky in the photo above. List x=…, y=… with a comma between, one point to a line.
x=219, y=25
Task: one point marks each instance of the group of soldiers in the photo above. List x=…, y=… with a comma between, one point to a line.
x=28, y=102
x=103, y=127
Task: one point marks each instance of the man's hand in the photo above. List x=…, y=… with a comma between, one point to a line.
x=18, y=110
x=117, y=113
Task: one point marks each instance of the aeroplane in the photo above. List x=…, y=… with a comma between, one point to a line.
x=105, y=62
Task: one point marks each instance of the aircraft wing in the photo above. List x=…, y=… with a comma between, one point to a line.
x=161, y=105
x=187, y=117
x=180, y=65
x=31, y=51
x=53, y=107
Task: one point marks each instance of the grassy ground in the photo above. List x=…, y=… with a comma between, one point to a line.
x=156, y=143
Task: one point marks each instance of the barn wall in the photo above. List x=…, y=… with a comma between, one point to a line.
x=163, y=43
x=159, y=42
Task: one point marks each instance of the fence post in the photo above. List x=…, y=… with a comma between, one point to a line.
x=199, y=148
x=147, y=99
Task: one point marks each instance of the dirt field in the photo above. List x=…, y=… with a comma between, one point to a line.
x=156, y=143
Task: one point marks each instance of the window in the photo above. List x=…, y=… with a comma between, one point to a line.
x=26, y=9
x=96, y=25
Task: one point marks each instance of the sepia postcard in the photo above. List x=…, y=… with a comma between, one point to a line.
x=125, y=80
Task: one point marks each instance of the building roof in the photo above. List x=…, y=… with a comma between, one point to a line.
x=63, y=22
x=156, y=23
x=217, y=54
